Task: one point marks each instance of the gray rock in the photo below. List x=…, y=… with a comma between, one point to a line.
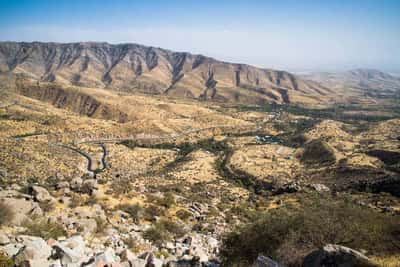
x=71, y=251
x=263, y=261
x=76, y=184
x=12, y=193
x=11, y=249
x=200, y=253
x=40, y=194
x=65, y=200
x=105, y=258
x=89, y=186
x=184, y=263
x=4, y=240
x=35, y=252
x=62, y=185
x=336, y=255
x=320, y=188
x=134, y=263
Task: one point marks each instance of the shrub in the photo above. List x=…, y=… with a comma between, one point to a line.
x=5, y=261
x=172, y=227
x=318, y=152
x=132, y=244
x=100, y=225
x=121, y=186
x=287, y=235
x=167, y=201
x=135, y=211
x=152, y=211
x=6, y=214
x=157, y=235
x=44, y=229
x=184, y=215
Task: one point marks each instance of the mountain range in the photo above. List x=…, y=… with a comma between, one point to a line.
x=151, y=70
x=133, y=67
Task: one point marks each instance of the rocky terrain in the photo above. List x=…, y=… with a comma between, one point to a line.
x=109, y=176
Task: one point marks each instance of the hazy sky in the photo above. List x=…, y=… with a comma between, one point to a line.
x=293, y=35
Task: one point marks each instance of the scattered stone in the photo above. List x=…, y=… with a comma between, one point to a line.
x=321, y=188
x=71, y=251
x=336, y=255
x=89, y=186
x=62, y=185
x=76, y=184
x=40, y=194
x=263, y=261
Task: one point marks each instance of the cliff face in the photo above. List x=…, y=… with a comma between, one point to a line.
x=132, y=67
x=72, y=99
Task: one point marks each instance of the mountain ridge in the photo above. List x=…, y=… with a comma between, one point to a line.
x=135, y=67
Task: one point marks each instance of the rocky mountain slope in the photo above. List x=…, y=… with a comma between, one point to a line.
x=132, y=67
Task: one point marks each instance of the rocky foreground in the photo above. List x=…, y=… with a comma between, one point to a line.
x=86, y=243
x=35, y=252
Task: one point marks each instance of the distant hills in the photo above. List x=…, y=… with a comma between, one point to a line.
x=369, y=81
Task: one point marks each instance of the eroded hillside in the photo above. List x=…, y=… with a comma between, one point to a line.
x=132, y=67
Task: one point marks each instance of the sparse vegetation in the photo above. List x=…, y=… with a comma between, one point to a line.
x=287, y=234
x=153, y=211
x=173, y=227
x=183, y=214
x=121, y=186
x=163, y=231
x=318, y=152
x=135, y=211
x=101, y=225
x=6, y=261
x=44, y=229
x=157, y=234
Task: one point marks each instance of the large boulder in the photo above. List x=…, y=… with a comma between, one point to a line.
x=71, y=251
x=4, y=240
x=104, y=259
x=336, y=255
x=11, y=249
x=22, y=209
x=34, y=253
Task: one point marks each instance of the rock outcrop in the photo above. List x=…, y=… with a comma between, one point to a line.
x=336, y=255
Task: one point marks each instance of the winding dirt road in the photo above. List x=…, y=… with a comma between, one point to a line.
x=88, y=157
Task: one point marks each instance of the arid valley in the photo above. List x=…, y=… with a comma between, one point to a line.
x=131, y=155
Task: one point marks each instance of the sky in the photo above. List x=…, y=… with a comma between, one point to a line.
x=294, y=35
